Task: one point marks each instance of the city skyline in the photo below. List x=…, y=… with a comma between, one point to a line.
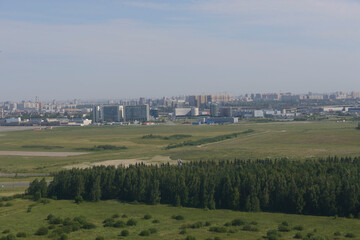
x=64, y=50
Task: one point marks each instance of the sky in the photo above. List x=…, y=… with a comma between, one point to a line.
x=107, y=49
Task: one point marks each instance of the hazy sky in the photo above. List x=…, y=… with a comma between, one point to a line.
x=66, y=49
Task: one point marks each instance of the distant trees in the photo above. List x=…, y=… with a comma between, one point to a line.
x=320, y=187
x=358, y=127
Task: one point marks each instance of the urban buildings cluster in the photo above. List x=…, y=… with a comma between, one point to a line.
x=211, y=108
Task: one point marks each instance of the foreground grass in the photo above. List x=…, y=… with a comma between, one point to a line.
x=16, y=218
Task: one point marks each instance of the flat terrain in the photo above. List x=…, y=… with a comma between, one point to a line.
x=294, y=140
x=40, y=154
x=16, y=218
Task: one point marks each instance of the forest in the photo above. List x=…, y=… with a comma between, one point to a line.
x=328, y=187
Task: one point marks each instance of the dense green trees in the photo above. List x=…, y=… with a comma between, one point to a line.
x=319, y=187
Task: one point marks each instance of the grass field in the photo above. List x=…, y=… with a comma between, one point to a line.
x=296, y=140
x=16, y=218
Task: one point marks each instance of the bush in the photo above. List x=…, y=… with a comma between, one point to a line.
x=78, y=199
x=207, y=224
x=21, y=235
x=337, y=234
x=109, y=222
x=155, y=221
x=285, y=223
x=124, y=216
x=42, y=231
x=153, y=230
x=298, y=236
x=177, y=217
x=144, y=233
x=115, y=215
x=253, y=223
x=131, y=222
x=119, y=224
x=237, y=222
x=80, y=219
x=147, y=216
x=283, y=228
x=124, y=233
x=10, y=237
x=350, y=235
x=88, y=226
x=250, y=228
x=6, y=231
x=99, y=238
x=182, y=232
x=299, y=228
x=8, y=204
x=217, y=229
x=63, y=237
x=273, y=235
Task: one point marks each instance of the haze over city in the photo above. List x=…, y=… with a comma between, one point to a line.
x=127, y=49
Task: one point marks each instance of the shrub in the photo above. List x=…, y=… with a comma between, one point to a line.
x=237, y=222
x=253, y=223
x=153, y=230
x=63, y=237
x=6, y=231
x=119, y=224
x=131, y=222
x=299, y=228
x=8, y=204
x=124, y=233
x=115, y=215
x=99, y=238
x=124, y=216
x=298, y=235
x=273, y=235
x=337, y=234
x=182, y=232
x=80, y=219
x=177, y=217
x=10, y=237
x=55, y=220
x=283, y=228
x=147, y=216
x=42, y=231
x=227, y=224
x=250, y=228
x=78, y=199
x=21, y=234
x=155, y=221
x=88, y=226
x=285, y=223
x=207, y=224
x=217, y=229
x=109, y=222
x=350, y=235
x=144, y=233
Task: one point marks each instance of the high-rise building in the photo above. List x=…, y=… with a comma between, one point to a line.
x=112, y=113
x=137, y=113
x=214, y=110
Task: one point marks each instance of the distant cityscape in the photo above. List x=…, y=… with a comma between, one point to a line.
x=198, y=109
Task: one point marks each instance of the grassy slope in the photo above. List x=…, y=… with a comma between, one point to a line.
x=17, y=219
x=294, y=140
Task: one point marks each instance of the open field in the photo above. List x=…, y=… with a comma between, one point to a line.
x=16, y=218
x=40, y=154
x=295, y=140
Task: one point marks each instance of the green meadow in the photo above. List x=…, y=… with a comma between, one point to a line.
x=294, y=140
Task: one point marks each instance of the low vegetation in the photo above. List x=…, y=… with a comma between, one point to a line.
x=171, y=137
x=103, y=148
x=208, y=140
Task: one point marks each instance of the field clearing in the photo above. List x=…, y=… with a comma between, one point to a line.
x=295, y=140
x=16, y=218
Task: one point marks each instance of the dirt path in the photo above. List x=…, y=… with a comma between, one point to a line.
x=40, y=154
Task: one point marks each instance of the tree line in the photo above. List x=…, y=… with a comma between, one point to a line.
x=318, y=187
